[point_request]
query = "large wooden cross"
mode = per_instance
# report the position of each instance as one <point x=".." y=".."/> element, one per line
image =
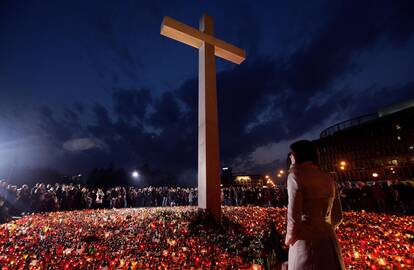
<point x="208" y="136"/>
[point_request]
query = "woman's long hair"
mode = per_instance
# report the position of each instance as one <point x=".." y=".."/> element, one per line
<point x="303" y="151"/>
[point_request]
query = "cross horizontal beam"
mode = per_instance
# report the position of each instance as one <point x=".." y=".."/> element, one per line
<point x="195" y="38"/>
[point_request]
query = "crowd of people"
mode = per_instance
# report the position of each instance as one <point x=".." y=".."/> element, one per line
<point x="15" y="201"/>
<point x="381" y="197"/>
<point x="63" y="197"/>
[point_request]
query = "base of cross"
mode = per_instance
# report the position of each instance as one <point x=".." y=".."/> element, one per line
<point x="212" y="206"/>
<point x="209" y="197"/>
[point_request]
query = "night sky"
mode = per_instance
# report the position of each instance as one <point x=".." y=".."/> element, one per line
<point x="87" y="83"/>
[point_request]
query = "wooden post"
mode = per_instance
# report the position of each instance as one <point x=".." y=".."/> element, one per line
<point x="208" y="134"/>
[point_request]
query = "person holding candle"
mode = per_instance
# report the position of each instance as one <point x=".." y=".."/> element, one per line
<point x="314" y="211"/>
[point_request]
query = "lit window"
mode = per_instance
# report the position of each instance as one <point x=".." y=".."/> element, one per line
<point x="243" y="179"/>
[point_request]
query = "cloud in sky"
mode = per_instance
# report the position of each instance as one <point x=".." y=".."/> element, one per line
<point x="82" y="144"/>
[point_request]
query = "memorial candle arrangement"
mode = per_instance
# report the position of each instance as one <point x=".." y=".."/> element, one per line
<point x="166" y="238"/>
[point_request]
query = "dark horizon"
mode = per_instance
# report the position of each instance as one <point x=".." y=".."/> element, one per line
<point x="84" y="85"/>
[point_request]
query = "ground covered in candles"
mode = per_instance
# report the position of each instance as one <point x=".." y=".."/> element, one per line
<point x="185" y="238"/>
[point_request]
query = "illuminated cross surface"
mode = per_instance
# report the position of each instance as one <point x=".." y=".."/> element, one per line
<point x="208" y="137"/>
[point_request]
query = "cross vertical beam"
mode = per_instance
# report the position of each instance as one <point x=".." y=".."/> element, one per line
<point x="208" y="134"/>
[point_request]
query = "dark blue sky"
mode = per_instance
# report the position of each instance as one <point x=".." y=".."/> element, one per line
<point x="84" y="83"/>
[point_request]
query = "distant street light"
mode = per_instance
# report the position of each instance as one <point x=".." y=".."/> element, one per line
<point x="342" y="166"/>
<point x="135" y="174"/>
<point x="281" y="171"/>
<point x="375" y="175"/>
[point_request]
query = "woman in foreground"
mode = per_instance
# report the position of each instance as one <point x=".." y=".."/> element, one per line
<point x="314" y="211"/>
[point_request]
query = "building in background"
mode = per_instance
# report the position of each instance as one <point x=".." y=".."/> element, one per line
<point x="249" y="180"/>
<point x="373" y="147"/>
<point x="226" y="176"/>
<point x="246" y="180"/>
